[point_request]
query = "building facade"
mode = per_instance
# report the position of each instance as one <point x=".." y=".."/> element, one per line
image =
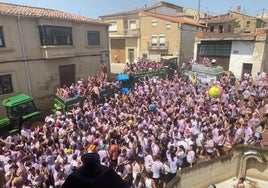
<point x="43" y="49"/>
<point x="238" y="42"/>
<point x="148" y="32"/>
<point x="163" y="34"/>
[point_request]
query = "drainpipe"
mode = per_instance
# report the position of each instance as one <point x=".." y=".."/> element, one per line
<point x="108" y="51"/>
<point x="24" y="57"/>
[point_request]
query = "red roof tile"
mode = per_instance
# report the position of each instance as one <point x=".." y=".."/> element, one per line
<point x="12" y="9"/>
<point x="173" y="19"/>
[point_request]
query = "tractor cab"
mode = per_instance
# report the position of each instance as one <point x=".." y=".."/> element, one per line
<point x="21" y="111"/>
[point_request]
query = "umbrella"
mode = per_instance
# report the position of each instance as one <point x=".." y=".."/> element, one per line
<point x="122" y="77"/>
<point x="125" y="90"/>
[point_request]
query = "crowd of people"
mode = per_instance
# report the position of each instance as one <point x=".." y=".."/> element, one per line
<point x="143" y="66"/>
<point x="146" y="136"/>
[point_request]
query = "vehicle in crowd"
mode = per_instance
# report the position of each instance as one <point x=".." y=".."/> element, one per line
<point x="203" y="74"/>
<point x="136" y="77"/>
<point x="170" y="62"/>
<point x="21" y="111"/>
<point x="66" y="104"/>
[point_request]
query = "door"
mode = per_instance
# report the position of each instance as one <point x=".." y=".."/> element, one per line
<point x="67" y="75"/>
<point x="247" y="68"/>
<point x="131" y="55"/>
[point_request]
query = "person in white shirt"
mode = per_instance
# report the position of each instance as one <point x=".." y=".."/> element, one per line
<point x="148" y="160"/>
<point x="181" y="156"/>
<point x="210" y="146"/>
<point x="172" y="161"/>
<point x="190" y="157"/>
<point x="157" y="168"/>
<point x="103" y="152"/>
<point x="248" y="135"/>
<point x="166" y="173"/>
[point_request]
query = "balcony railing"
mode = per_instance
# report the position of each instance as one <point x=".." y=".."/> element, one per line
<point x="157" y="46"/>
<point x="131" y="32"/>
<point x="125" y="33"/>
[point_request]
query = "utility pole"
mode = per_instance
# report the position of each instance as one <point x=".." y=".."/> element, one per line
<point x="198" y="14"/>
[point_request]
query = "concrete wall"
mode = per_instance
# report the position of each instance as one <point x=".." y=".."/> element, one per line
<point x="245" y="55"/>
<point x="166" y="10"/>
<point x="260" y="52"/>
<point x="217" y="170"/>
<point x="187" y="43"/>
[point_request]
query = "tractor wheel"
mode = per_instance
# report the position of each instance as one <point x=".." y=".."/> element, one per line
<point x="35" y="121"/>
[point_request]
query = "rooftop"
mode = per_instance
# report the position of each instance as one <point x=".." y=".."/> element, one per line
<point x="174" y="19"/>
<point x="27" y="11"/>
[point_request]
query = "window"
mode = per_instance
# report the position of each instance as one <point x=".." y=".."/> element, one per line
<point x="229" y="28"/>
<point x="93" y="38"/>
<point x="247" y="23"/>
<point x="113" y="26"/>
<point x="162" y="40"/>
<point x="5" y="84"/>
<point x="55" y="35"/>
<point x="27" y="108"/>
<point x="168" y="25"/>
<point x="132" y="24"/>
<point x="220" y="28"/>
<point x="154" y="23"/>
<point x="235" y="51"/>
<point x="154" y="40"/>
<point x="144" y="57"/>
<point x="2" y="42"/>
<point x="211" y="28"/>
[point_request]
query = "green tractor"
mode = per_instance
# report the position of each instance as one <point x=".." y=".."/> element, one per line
<point x="21" y="110"/>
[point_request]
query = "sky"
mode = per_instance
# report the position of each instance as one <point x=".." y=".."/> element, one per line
<point x="96" y="8"/>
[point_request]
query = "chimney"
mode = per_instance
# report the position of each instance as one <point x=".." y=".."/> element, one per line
<point x="238" y="9"/>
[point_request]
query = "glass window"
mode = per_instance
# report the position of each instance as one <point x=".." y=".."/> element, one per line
<point x="113" y="26"/>
<point x="93" y="38"/>
<point x="211" y="28"/>
<point x="154" y="40"/>
<point x="154" y="23"/>
<point x="2" y="41"/>
<point x="27" y="108"/>
<point x="247" y="23"/>
<point x="168" y="25"/>
<point x="6" y="84"/>
<point x="162" y="40"/>
<point x="55" y="35"/>
<point x="132" y="24"/>
<point x="220" y="28"/>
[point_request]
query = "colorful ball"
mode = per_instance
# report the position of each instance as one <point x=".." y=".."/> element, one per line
<point x="214" y="92"/>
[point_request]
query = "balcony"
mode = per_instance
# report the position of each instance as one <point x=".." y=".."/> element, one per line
<point x="125" y="33"/>
<point x="157" y="46"/>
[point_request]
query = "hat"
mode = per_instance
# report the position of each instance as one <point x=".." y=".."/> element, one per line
<point x="90" y="158"/>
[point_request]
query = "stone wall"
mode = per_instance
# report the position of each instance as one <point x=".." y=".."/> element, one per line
<point x="220" y="169"/>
